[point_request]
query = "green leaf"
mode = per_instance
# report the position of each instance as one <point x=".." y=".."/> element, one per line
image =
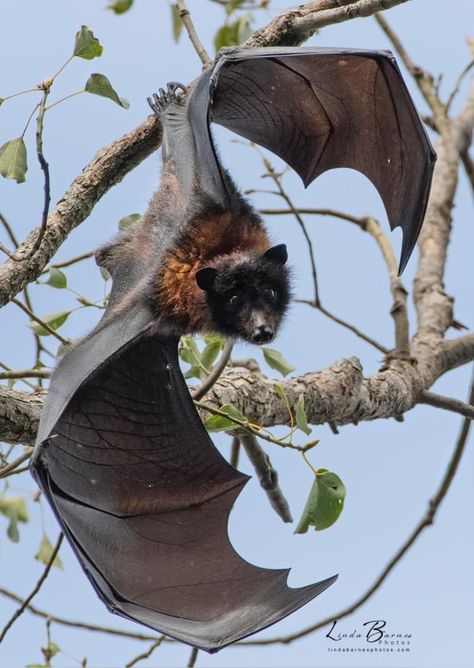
<point x="57" y="279"/>
<point x="194" y="372"/>
<point x="53" y="648"/>
<point x="54" y="320"/>
<point x="2" y="100"/>
<point x="176" y="21"/>
<point x="12" y="531"/>
<point x="188" y="350"/>
<point x="125" y="222"/>
<point x="210" y="352"/>
<point x="221" y="423"/>
<point x="14" y="508"/>
<point x="86" y="45"/>
<point x="325" y="502"/>
<point x="300" y="415"/>
<point x="13" y="161"/>
<point x="98" y="84"/>
<point x="45" y="551"/>
<point x="276" y="361"/>
<point x="227" y="35"/>
<point x="233" y="34"/>
<point x="120" y="6"/>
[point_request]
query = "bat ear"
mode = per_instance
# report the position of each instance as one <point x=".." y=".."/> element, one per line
<point x="206" y="277"/>
<point x="277" y="254"/>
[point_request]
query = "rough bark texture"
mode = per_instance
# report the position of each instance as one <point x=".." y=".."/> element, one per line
<point x="19" y="415"/>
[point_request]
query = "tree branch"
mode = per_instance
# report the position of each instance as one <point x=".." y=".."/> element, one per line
<point x="191" y="30"/>
<point x="296" y="25"/>
<point x="36" y="589"/>
<point x="339" y="395"/>
<point x="267" y="475"/>
<point x="78" y="625"/>
<point x="447" y="404"/>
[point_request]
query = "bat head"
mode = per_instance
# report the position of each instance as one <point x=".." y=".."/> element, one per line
<point x="247" y="295"/>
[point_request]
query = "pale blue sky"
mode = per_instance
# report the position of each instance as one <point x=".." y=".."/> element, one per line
<point x="390" y="469"/>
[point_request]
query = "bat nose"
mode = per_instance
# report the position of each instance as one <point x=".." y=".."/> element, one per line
<point x="262" y="334"/>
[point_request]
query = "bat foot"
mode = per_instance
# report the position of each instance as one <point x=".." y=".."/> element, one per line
<point x="160" y="102"/>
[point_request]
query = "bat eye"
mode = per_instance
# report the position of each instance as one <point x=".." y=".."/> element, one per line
<point x="234" y="300"/>
<point x="270" y="294"/>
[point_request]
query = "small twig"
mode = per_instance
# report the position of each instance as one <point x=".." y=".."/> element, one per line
<point x="332" y="213"/>
<point x="191" y="30"/>
<point x="192" y="658"/>
<point x="43" y="324"/>
<point x="267" y="475"/>
<point x="28" y="373"/>
<point x="36" y="589"/>
<point x="398" y="311"/>
<point x="216" y="372"/>
<point x="424" y="80"/>
<point x="248" y="428"/>
<point x="457" y="85"/>
<point x="347" y="325"/>
<point x="45" y="169"/>
<point x="15" y="242"/>
<point x="8" y="253"/>
<point x="296" y="213"/>
<point x="9" y="230"/>
<point x="26" y="382"/>
<point x="427" y="520"/>
<point x="95" y="628"/>
<point x="146" y="654"/>
<point x="234" y="452"/>
<point x="22" y="469"/>
<point x="249" y="364"/>
<point x="68" y="263"/>
<point x="7" y="470"/>
<point x="63" y="99"/>
<point x="447" y="404"/>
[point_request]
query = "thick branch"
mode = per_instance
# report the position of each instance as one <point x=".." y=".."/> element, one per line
<point x="339" y="395"/>
<point x="19" y="415"/>
<point x="296" y="25"/>
<point x="433" y="305"/>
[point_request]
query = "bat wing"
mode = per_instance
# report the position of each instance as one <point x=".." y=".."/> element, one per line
<point x="319" y="109"/>
<point x="144" y="497"/>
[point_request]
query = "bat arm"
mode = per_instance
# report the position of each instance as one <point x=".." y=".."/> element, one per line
<point x="207" y="164"/>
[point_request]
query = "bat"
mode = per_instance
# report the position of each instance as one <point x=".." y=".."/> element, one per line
<point x="139" y="490"/>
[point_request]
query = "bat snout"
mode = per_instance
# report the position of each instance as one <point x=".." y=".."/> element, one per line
<point x="262" y="334"/>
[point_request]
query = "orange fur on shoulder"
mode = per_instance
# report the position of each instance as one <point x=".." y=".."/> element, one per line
<point x="208" y="239"/>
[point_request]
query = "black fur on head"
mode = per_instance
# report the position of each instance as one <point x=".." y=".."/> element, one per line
<point x="247" y="295"/>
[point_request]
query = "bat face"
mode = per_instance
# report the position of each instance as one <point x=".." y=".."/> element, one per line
<point x="248" y="296"/>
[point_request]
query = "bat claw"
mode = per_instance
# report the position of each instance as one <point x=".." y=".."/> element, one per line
<point x="163" y="99"/>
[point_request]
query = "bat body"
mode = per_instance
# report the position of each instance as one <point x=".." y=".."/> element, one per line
<point x="139" y="489"/>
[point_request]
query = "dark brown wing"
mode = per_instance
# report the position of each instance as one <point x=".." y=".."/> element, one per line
<point x="144" y="498"/>
<point x="319" y="109"/>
